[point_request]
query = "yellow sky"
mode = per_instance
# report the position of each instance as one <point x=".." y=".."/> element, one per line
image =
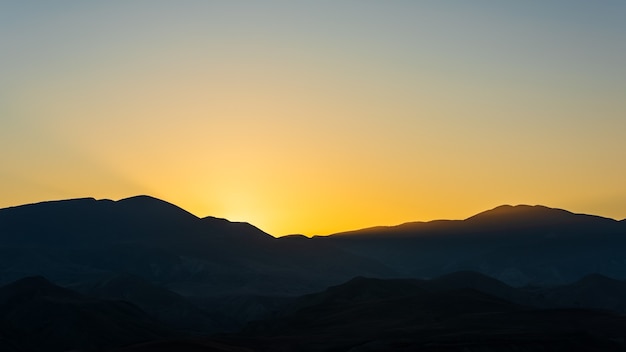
<point x="316" y="117"/>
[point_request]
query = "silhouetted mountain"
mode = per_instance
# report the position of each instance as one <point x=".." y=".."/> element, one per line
<point x="168" y="307"/>
<point x="479" y="282"/>
<point x="520" y="218"/>
<point x="409" y="315"/>
<point x="361" y="289"/>
<point x="240" y="309"/>
<point x="71" y="241"/>
<point x="448" y="313"/>
<point x="36" y="315"/>
<point x="456" y="312"/>
<point x="533" y="217"/>
<point x="593" y="291"/>
<point x="75" y="240"/>
<point x="517" y="244"/>
<point x="361" y="308"/>
<point x="210" y="274"/>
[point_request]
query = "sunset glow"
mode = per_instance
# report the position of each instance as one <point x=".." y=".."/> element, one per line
<point x="316" y="117"/>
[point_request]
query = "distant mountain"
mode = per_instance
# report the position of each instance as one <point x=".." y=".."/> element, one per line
<point x="217" y="262"/>
<point x="36" y="315"/>
<point x="167" y="307"/>
<point x="150" y="273"/>
<point x="479" y="282"/>
<point x="361" y="289"/>
<point x="362" y="309"/>
<point x="519" y="218"/>
<point x="517" y="244"/>
<point x="537" y="216"/>
<point x="592" y="291"/>
<point x="73" y="241"/>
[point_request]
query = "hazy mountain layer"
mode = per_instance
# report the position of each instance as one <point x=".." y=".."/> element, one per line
<point x="161" y="304"/>
<point x="457" y="312"/>
<point x="72" y="241"/>
<point x="450" y="313"/>
<point x="217" y="262"/>
<point x="36" y="315"/>
<point x="519" y="245"/>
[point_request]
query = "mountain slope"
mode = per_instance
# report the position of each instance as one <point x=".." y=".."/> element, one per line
<point x="165" y="306"/>
<point x="429" y="315"/>
<point x="36" y="315"/>
<point x="74" y="240"/>
<point x="71" y="241"/>
<point x="517" y="244"/>
<point x="592" y="291"/>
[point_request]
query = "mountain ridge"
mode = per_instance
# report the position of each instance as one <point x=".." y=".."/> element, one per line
<point x="70" y="240"/>
<point x="505" y="210"/>
<point x="153" y="202"/>
<point x="37" y="315"/>
<point x="73" y="240"/>
<point x="455" y="312"/>
<point x="502" y="213"/>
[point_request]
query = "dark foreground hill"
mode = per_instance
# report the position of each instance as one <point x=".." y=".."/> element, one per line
<point x="593" y="291"/>
<point x="450" y="313"/>
<point x="36" y="315"/>
<point x="413" y="315"/>
<point x="165" y="306"/>
<point x="462" y="311"/>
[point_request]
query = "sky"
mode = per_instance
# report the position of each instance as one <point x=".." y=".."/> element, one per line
<point x="316" y="117"/>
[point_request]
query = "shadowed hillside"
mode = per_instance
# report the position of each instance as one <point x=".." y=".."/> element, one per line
<point x="457" y="312"/>
<point x="438" y="315"/>
<point x="593" y="291"/>
<point x="36" y="315"/>
<point x="164" y="305"/>
<point x="71" y="241"/>
<point x="364" y="290"/>
<point x="517" y="244"/>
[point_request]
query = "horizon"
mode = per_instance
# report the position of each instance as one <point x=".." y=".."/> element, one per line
<point x="318" y="234"/>
<point x="316" y="117"/>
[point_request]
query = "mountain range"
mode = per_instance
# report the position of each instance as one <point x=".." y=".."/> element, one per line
<point x="461" y="311"/>
<point x="172" y="279"/>
<point x="71" y="240"/>
<point x="36" y="315"/>
<point x="517" y="244"/>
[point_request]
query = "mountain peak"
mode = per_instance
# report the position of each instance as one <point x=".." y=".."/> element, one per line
<point x="152" y="206"/>
<point x="144" y="198"/>
<point x="531" y="215"/>
<point x="507" y="210"/>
